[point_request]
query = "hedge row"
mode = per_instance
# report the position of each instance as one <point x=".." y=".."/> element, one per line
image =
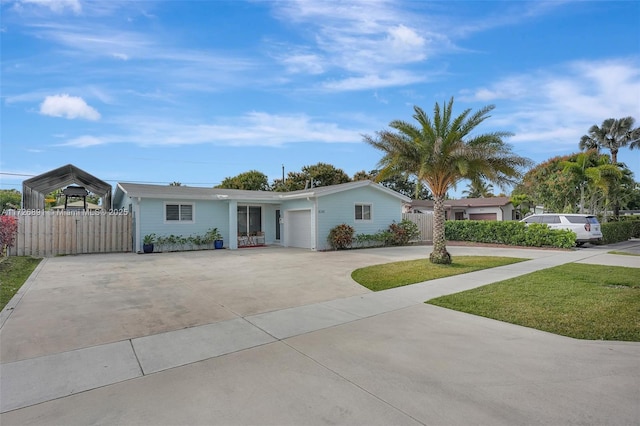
<point x="508" y="232"/>
<point x="615" y="232"/>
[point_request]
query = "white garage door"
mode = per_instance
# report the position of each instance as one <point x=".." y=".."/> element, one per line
<point x="298" y="229"/>
<point x="483" y="216"/>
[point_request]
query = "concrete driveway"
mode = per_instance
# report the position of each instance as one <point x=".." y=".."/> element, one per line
<point x="81" y="301"/>
<point x="282" y="336"/>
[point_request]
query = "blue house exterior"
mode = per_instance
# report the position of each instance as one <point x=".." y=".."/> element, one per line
<point x="291" y="219"/>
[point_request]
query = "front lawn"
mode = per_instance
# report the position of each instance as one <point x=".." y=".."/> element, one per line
<point x="390" y="275"/>
<point x="576" y="300"/>
<point x="624" y="253"/>
<point x="14" y="271"/>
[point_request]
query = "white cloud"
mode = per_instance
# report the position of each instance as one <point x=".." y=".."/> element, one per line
<point x="373" y="41"/>
<point x="84" y="142"/>
<point x="512" y="87"/>
<point x="251" y="129"/>
<point x="405" y="43"/>
<point x="552" y="109"/>
<point x="57" y="6"/>
<point x="66" y="106"/>
<point x="373" y="81"/>
<point x="97" y="40"/>
<point x="304" y="63"/>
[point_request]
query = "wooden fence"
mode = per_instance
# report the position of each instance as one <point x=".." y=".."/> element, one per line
<point x="51" y="233"/>
<point x="424" y="222"/>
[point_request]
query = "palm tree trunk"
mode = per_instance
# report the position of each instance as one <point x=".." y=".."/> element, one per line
<point x="439" y="254"/>
<point x="616" y="204"/>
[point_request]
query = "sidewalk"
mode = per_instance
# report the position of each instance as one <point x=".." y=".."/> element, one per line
<point x="33" y="381"/>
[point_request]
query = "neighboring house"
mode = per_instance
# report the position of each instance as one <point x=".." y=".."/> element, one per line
<point x="292" y="219"/>
<point x="491" y="208"/>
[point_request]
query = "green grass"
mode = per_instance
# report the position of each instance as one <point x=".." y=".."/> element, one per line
<point x="623" y="253"/>
<point x="14" y="271"/>
<point x="576" y="300"/>
<point x="390" y="275"/>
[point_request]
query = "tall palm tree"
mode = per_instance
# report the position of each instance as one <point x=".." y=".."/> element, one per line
<point x="613" y="134"/>
<point x="478" y="189"/>
<point x="441" y="152"/>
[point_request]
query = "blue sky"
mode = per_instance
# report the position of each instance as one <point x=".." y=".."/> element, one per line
<point x="196" y="91"/>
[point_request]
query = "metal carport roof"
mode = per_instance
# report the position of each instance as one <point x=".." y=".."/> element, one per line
<point x="36" y="188"/>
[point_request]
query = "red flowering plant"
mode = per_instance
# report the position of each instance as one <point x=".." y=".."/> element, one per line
<point x="8" y="231"/>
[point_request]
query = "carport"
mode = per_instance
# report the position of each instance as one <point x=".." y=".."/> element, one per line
<point x="35" y="189"/>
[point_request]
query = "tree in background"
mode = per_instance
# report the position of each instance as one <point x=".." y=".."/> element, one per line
<point x="578" y="166"/>
<point x="585" y="182"/>
<point x="521" y="204"/>
<point x="441" y="152"/>
<point x="10" y="199"/>
<point x="321" y="174"/>
<point x="54" y="198"/>
<point x="613" y="134"/>
<point x="633" y="202"/>
<point x="615" y="183"/>
<point x="403" y="184"/>
<point x="252" y="180"/>
<point x="478" y="189"/>
<point x="548" y="186"/>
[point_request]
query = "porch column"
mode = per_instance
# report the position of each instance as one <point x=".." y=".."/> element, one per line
<point x="233" y="225"/>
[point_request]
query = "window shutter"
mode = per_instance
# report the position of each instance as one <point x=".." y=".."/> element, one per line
<point x="173" y="212"/>
<point x="186" y="212"/>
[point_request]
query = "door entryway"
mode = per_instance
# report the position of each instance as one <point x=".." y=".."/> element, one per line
<point x="250" y="226"/>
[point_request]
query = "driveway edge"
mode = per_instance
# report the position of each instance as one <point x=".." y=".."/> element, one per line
<point x="9" y="307"/>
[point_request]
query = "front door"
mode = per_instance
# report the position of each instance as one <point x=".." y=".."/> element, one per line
<point x="278" y="224"/>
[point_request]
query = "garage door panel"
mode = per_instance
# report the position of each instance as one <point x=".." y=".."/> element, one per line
<point x="299" y="229"/>
<point x="483" y="216"/>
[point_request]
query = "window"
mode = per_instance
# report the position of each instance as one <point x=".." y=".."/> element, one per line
<point x="179" y="212"/>
<point x="363" y="211"/>
<point x="577" y="219"/>
<point x="249" y="220"/>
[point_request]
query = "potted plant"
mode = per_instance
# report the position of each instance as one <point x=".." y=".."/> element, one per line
<point x="147" y="243"/>
<point x="214" y="235"/>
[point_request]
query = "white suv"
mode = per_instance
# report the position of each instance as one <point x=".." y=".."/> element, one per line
<point x="586" y="227"/>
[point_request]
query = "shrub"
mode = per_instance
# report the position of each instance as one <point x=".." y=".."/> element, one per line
<point x="634" y="222"/>
<point x="378" y="239"/>
<point x="403" y="232"/>
<point x="8" y="231"/>
<point x="508" y="232"/>
<point x="615" y="232"/>
<point x="341" y="237"/>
